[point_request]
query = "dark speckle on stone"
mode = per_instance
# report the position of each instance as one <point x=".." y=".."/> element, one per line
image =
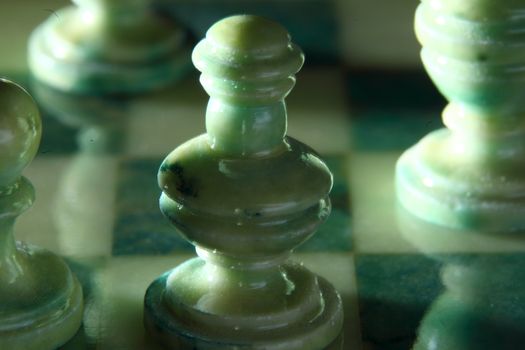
<point x="183" y="184"/>
<point x="164" y="167"/>
<point x="250" y="214"/>
<point x="482" y="57"/>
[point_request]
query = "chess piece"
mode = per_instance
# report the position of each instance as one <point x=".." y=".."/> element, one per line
<point x="246" y="195"/>
<point x="481" y="304"/>
<point x="471" y="175"/>
<point x="40" y="299"/>
<point x="106" y="46"/>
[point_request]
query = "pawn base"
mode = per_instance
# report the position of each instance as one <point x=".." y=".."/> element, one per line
<point x="436" y="187"/>
<point x="43" y="308"/>
<point x="59" y="59"/>
<point x="188" y="331"/>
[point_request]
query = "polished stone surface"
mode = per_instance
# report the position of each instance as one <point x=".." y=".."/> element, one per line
<point x="472" y="174"/>
<point x="245" y="195"/>
<point x="40" y="299"/>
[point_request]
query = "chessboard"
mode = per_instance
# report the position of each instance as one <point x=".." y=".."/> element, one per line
<point x="97" y="196"/>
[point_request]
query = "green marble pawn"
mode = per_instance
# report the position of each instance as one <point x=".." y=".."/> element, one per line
<point x="245" y="195"/>
<point x="40" y="299"/>
<point x="108" y="46"/>
<point x="471" y="175"/>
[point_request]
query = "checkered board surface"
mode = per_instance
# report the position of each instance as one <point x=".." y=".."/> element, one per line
<point x="97" y="201"/>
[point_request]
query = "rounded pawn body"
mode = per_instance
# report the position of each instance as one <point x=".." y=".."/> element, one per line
<point x="105" y="46"/>
<point x="246" y="195"/>
<point x="471" y="175"/>
<point x="40" y="299"/>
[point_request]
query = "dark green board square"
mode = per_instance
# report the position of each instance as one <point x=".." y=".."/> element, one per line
<point x="380" y="130"/>
<point x="392" y="90"/>
<point x="394" y="291"/>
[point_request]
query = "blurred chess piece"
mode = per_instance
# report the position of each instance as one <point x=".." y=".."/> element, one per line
<point x="471" y="175"/>
<point x="84" y="206"/>
<point x="482" y="306"/>
<point x="108" y="47"/>
<point x="245" y="195"/>
<point x="40" y="299"/>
